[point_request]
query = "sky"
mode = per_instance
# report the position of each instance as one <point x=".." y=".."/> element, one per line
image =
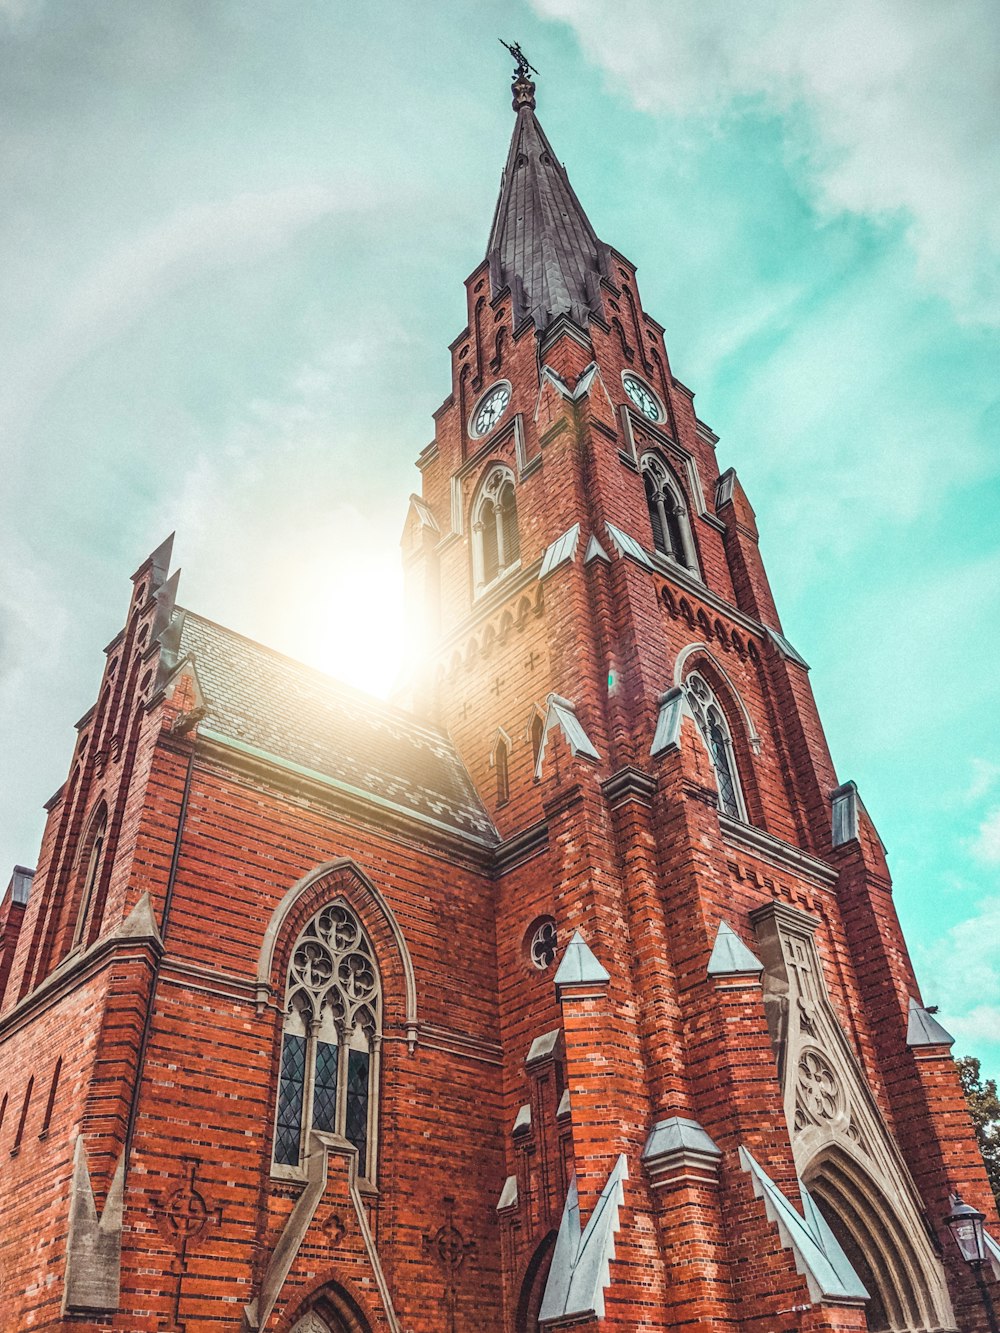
<point x="232" y="253"/>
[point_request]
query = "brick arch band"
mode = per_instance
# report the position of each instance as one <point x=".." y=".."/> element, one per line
<point x="703" y="650"/>
<point x="340" y="876"/>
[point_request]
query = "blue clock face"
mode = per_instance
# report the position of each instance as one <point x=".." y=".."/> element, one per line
<point x="644" y="399"/>
<point x="491" y="409"/>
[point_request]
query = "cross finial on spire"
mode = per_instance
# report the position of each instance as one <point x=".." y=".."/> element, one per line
<point x="523" y="88"/>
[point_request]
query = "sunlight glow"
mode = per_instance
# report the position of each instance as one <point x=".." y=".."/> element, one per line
<point x="340" y="608"/>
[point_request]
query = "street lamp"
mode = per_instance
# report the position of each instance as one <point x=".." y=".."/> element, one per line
<point x="966" y="1224"/>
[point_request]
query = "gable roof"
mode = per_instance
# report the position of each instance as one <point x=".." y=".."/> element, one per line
<point x="279" y="708"/>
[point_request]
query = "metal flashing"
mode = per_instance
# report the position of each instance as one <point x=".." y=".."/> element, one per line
<point x="595" y="551"/>
<point x="731" y="957"/>
<point x="508" y="1195"/>
<point x="560" y="552"/>
<point x="785" y="648"/>
<point x="923" y="1029"/>
<point x="543" y="1048"/>
<point x="626" y="545"/>
<point x="581" y="1261"/>
<point x="818" y="1255"/>
<point x="579" y="967"/>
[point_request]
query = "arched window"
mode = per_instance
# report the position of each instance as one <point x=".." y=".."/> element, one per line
<point x="330" y="1043"/>
<point x="90" y="864"/>
<point x="667" y="512"/>
<point x="718" y="740"/>
<point x="496" y="544"/>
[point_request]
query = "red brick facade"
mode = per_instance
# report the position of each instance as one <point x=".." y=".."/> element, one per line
<point x="143" y="992"/>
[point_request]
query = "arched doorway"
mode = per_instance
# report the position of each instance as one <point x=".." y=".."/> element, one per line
<point x="533" y="1286"/>
<point x="333" y="1311"/>
<point x="898" y="1267"/>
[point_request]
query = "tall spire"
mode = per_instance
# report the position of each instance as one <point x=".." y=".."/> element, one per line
<point x="541" y="244"/>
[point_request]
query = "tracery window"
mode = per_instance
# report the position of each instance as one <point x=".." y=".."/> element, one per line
<point x="496" y="544"/>
<point x="667" y="512"/>
<point x="544" y="944"/>
<point x="718" y="740"/>
<point x="330" y="1042"/>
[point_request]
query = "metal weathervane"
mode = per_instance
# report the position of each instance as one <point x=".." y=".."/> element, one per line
<point x="524" y="67"/>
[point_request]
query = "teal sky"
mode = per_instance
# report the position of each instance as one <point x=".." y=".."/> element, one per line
<point x="233" y="246"/>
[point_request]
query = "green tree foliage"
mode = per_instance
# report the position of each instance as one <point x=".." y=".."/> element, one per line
<point x="984" y="1107"/>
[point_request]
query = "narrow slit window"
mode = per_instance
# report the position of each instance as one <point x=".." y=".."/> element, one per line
<point x="50" y="1104"/>
<point x="500" y="763"/>
<point x="16" y="1147"/>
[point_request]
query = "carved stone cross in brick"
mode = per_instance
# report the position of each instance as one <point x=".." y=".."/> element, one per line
<point x="451" y="1251"/>
<point x="182" y="1215"/>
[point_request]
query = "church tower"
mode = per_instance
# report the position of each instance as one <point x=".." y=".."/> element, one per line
<point x="716" y="1062"/>
<point x="572" y="996"/>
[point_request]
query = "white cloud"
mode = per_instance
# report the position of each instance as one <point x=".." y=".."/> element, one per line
<point x="890" y="106"/>
<point x="33" y="622"/>
<point x="180" y="249"/>
<point x="986" y="844"/>
<point x="962" y="974"/>
<point x="985" y="773"/>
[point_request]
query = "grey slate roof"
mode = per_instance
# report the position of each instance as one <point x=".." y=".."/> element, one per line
<point x="542" y="244"/>
<point x="281" y="708"/>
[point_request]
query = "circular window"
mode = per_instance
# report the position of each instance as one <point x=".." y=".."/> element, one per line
<point x="544" y="944"/>
<point x="490" y="409"/>
<point x="642" y="396"/>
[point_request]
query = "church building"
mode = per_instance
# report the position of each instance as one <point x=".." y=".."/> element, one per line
<point x="569" y="995"/>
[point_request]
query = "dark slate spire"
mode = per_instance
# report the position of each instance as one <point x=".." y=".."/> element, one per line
<point x="542" y="244"/>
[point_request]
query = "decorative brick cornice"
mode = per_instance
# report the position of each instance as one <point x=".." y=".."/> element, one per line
<point x="778" y="852"/>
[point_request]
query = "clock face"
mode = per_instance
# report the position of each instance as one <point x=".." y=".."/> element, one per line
<point x="491" y="409"/>
<point x="644" y="399"/>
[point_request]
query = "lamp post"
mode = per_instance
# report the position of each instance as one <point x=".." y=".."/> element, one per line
<point x="966" y="1225"/>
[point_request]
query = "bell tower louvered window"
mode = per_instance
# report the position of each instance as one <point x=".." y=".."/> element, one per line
<point x="496" y="542"/>
<point x="330" y="1039"/>
<point x="667" y="512"/>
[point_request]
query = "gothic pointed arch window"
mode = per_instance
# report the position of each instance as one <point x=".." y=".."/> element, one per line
<point x="715" y="732"/>
<point x="331" y="1037"/>
<point x="668" y="516"/>
<point x="496" y="543"/>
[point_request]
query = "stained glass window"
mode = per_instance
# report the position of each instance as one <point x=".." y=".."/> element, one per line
<point x="325" y="1087"/>
<point x="356" y="1124"/>
<point x="723" y="769"/>
<point x="329" y="1046"/>
<point x="291" y="1090"/>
